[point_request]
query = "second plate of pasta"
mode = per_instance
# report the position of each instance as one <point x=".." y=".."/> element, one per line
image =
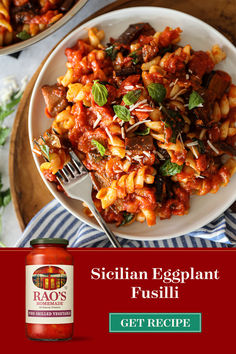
<point x="150" y="109"/>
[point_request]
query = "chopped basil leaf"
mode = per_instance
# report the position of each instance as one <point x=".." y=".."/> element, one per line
<point x="131" y="97"/>
<point x="127" y="218"/>
<point x="170" y="168"/>
<point x="99" y="93"/>
<point x="143" y="132"/>
<point x="99" y="146"/>
<point x="157" y="92"/>
<point x="195" y="100"/>
<point x="111" y="52"/>
<point x="45" y="150"/>
<point x="122" y="112"/>
<point x="135" y="55"/>
<point x="7" y="109"/>
<point x="5" y="197"/>
<point x="23" y="35"/>
<point x="4" y="132"/>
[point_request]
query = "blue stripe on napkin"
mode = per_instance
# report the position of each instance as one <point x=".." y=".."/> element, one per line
<point x="55" y="221"/>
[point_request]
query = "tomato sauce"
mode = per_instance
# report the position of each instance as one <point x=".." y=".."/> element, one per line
<point x="49" y="302"/>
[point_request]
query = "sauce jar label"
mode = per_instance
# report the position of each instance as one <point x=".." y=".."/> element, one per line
<point x="49" y="294"/>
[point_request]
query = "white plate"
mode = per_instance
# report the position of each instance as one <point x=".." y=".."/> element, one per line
<point x="195" y="32"/>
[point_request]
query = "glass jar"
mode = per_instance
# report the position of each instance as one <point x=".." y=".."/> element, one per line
<point x="49" y="290"/>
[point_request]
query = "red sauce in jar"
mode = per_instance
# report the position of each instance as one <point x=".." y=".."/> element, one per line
<point x="49" y="290"/>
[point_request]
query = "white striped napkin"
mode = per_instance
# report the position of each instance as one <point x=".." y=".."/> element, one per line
<point x="55" y="221"/>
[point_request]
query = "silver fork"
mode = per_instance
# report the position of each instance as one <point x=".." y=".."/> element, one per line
<point x="77" y="183"/>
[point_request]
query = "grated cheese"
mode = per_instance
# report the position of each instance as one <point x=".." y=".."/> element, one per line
<point x="159" y="155"/>
<point x="213" y="147"/>
<point x="99" y="117"/>
<point x="123" y="132"/>
<point x="143" y="110"/>
<point x="194" y="152"/>
<point x="138" y="123"/>
<point x="193" y="143"/>
<point x="128" y="87"/>
<point x="133" y="106"/>
<point x="146" y="153"/>
<point x="109" y="135"/>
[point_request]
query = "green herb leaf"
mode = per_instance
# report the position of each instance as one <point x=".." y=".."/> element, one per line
<point x="99" y="146"/>
<point x="23" y="35"/>
<point x="195" y="100"/>
<point x="127" y="218"/>
<point x="7" y="109"/>
<point x="111" y="52"/>
<point x="122" y="112"/>
<point x="4" y="132"/>
<point x="135" y="55"/>
<point x="99" y="93"/>
<point x="131" y="97"/>
<point x="45" y="150"/>
<point x="157" y="92"/>
<point x="5" y="198"/>
<point x="170" y="168"/>
<point x="143" y="132"/>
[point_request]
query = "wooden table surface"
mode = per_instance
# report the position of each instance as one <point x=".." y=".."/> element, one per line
<point x="29" y="193"/>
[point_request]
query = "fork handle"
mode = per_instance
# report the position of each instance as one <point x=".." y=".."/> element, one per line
<point x="115" y="243"/>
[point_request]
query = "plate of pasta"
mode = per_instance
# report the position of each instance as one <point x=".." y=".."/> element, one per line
<point x="150" y="109"/>
<point x="25" y="22"/>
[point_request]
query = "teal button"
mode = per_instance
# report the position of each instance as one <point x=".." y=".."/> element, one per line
<point x="155" y="322"/>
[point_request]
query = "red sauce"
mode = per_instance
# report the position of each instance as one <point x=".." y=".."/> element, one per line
<point x="44" y="285"/>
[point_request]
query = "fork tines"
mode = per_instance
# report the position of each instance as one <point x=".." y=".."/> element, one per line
<point x="72" y="169"/>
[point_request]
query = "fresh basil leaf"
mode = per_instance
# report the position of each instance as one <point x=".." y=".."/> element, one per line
<point x="5" y="198"/>
<point x="157" y="92"/>
<point x="4" y="132"/>
<point x="23" y="35"/>
<point x="131" y="97"/>
<point x="195" y="100"/>
<point x="143" y="132"/>
<point x="170" y="168"/>
<point x="99" y="93"/>
<point x="112" y="52"/>
<point x="45" y="150"/>
<point x="7" y="109"/>
<point x="99" y="146"/>
<point x="122" y="112"/>
<point x="127" y="218"/>
<point x="135" y="55"/>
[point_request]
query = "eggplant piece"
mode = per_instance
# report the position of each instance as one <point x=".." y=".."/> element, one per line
<point x="134" y="31"/>
<point x="126" y="71"/>
<point x="55" y="98"/>
<point x="225" y="148"/>
<point x="139" y="143"/>
<point x="219" y="83"/>
<point x="99" y="181"/>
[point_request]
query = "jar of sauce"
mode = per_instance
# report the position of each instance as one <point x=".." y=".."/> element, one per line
<point x="49" y="290"/>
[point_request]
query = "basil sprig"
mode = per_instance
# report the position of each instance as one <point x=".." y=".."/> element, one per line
<point x="195" y="100"/>
<point x="23" y="35"/>
<point x="170" y="168"/>
<point x="157" y="92"/>
<point x="131" y="97"/>
<point x="127" y="218"/>
<point x="111" y="51"/>
<point x="4" y="132"/>
<point x="99" y="146"/>
<point x="122" y="112"/>
<point x="100" y="93"/>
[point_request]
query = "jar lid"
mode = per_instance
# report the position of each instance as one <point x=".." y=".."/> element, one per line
<point x="49" y="241"/>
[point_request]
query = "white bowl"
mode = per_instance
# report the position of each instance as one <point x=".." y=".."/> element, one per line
<point x="195" y="32"/>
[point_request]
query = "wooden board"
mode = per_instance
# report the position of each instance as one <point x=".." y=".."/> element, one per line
<point x="29" y="193"/>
